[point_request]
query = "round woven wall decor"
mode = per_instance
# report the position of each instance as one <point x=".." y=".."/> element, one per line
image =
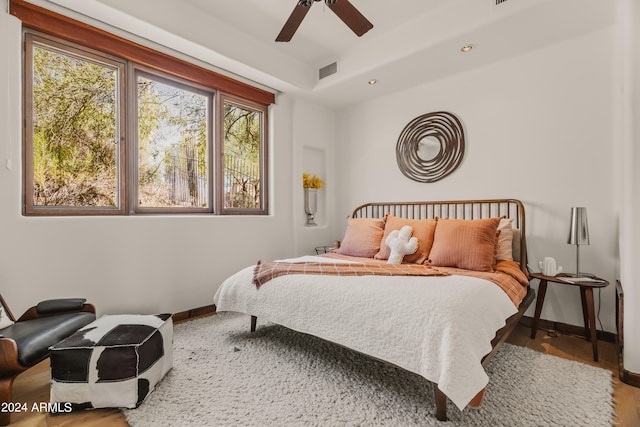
<point x="430" y="147"/>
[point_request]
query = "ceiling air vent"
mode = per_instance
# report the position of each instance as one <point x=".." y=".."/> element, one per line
<point x="499" y="2"/>
<point x="328" y="70"/>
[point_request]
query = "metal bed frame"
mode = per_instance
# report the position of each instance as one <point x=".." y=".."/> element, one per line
<point x="462" y="209"/>
<point x="457" y="209"/>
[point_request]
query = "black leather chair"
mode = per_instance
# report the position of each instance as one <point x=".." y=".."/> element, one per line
<point x="26" y="342"/>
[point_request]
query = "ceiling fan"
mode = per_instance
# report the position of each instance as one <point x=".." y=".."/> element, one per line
<point x="343" y="8"/>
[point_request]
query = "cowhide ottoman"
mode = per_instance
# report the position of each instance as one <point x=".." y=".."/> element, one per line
<point x="116" y="361"/>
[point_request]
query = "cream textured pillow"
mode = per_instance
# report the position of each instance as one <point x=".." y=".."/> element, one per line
<point x="504" y="250"/>
<point x="362" y="237"/>
<point x="423" y="230"/>
<point x="468" y="244"/>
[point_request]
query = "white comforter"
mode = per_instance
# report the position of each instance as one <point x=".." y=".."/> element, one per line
<point x="437" y="327"/>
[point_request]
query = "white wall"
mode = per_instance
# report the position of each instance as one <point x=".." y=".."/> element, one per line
<point x="145" y="264"/>
<point x="314" y="147"/>
<point x="629" y="88"/>
<point x="538" y="127"/>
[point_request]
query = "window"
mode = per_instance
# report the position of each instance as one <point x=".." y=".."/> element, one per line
<point x="106" y="134"/>
<point x="243" y="153"/>
<point x="74" y="133"/>
<point x="173" y="136"/>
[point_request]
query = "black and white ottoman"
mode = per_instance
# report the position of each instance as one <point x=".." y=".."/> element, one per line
<point x="114" y="362"/>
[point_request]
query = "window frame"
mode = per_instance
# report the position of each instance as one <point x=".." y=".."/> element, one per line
<point x="72" y="34"/>
<point x="264" y="158"/>
<point x="32" y="39"/>
<point x="135" y="208"/>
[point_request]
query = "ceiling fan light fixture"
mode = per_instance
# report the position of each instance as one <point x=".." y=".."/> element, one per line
<point x="347" y="12"/>
<point x="466" y="48"/>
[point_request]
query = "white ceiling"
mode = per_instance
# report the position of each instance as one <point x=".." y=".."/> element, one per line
<point x="412" y="42"/>
<point x="322" y="36"/>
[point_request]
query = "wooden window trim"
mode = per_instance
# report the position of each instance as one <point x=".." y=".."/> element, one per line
<point x="81" y="36"/>
<point x="55" y="24"/>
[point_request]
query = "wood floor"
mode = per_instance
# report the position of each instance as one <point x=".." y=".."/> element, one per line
<point x="33" y="385"/>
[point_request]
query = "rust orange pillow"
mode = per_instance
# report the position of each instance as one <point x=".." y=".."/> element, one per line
<point x="423" y="230"/>
<point x="464" y="243"/>
<point x="362" y="237"/>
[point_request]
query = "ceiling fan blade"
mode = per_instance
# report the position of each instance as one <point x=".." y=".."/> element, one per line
<point x="350" y="16"/>
<point x="294" y="21"/>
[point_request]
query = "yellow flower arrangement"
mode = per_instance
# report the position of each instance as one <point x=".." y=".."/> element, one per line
<point x="312" y="181"/>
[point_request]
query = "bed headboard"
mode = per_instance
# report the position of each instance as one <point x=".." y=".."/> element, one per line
<point x="456" y="209"/>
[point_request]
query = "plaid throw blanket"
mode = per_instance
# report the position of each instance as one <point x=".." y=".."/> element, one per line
<point x="265" y="271"/>
<point x="507" y="276"/>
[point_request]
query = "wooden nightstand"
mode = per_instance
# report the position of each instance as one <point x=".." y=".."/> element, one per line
<point x="588" y="309"/>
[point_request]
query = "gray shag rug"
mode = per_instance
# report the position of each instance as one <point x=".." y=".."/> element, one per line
<point x="223" y="375"/>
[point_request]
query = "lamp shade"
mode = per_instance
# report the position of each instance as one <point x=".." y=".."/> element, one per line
<point x="579" y="230"/>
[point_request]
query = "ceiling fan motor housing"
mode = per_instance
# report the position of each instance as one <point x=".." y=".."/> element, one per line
<point x="308" y="3"/>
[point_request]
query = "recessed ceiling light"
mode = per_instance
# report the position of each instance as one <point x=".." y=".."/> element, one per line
<point x="466" y="48"/>
<point x="373" y="81"/>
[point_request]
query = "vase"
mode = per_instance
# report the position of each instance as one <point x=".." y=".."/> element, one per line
<point x="310" y="205"/>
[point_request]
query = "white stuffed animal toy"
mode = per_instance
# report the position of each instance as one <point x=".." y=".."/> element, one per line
<point x="401" y="243"/>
